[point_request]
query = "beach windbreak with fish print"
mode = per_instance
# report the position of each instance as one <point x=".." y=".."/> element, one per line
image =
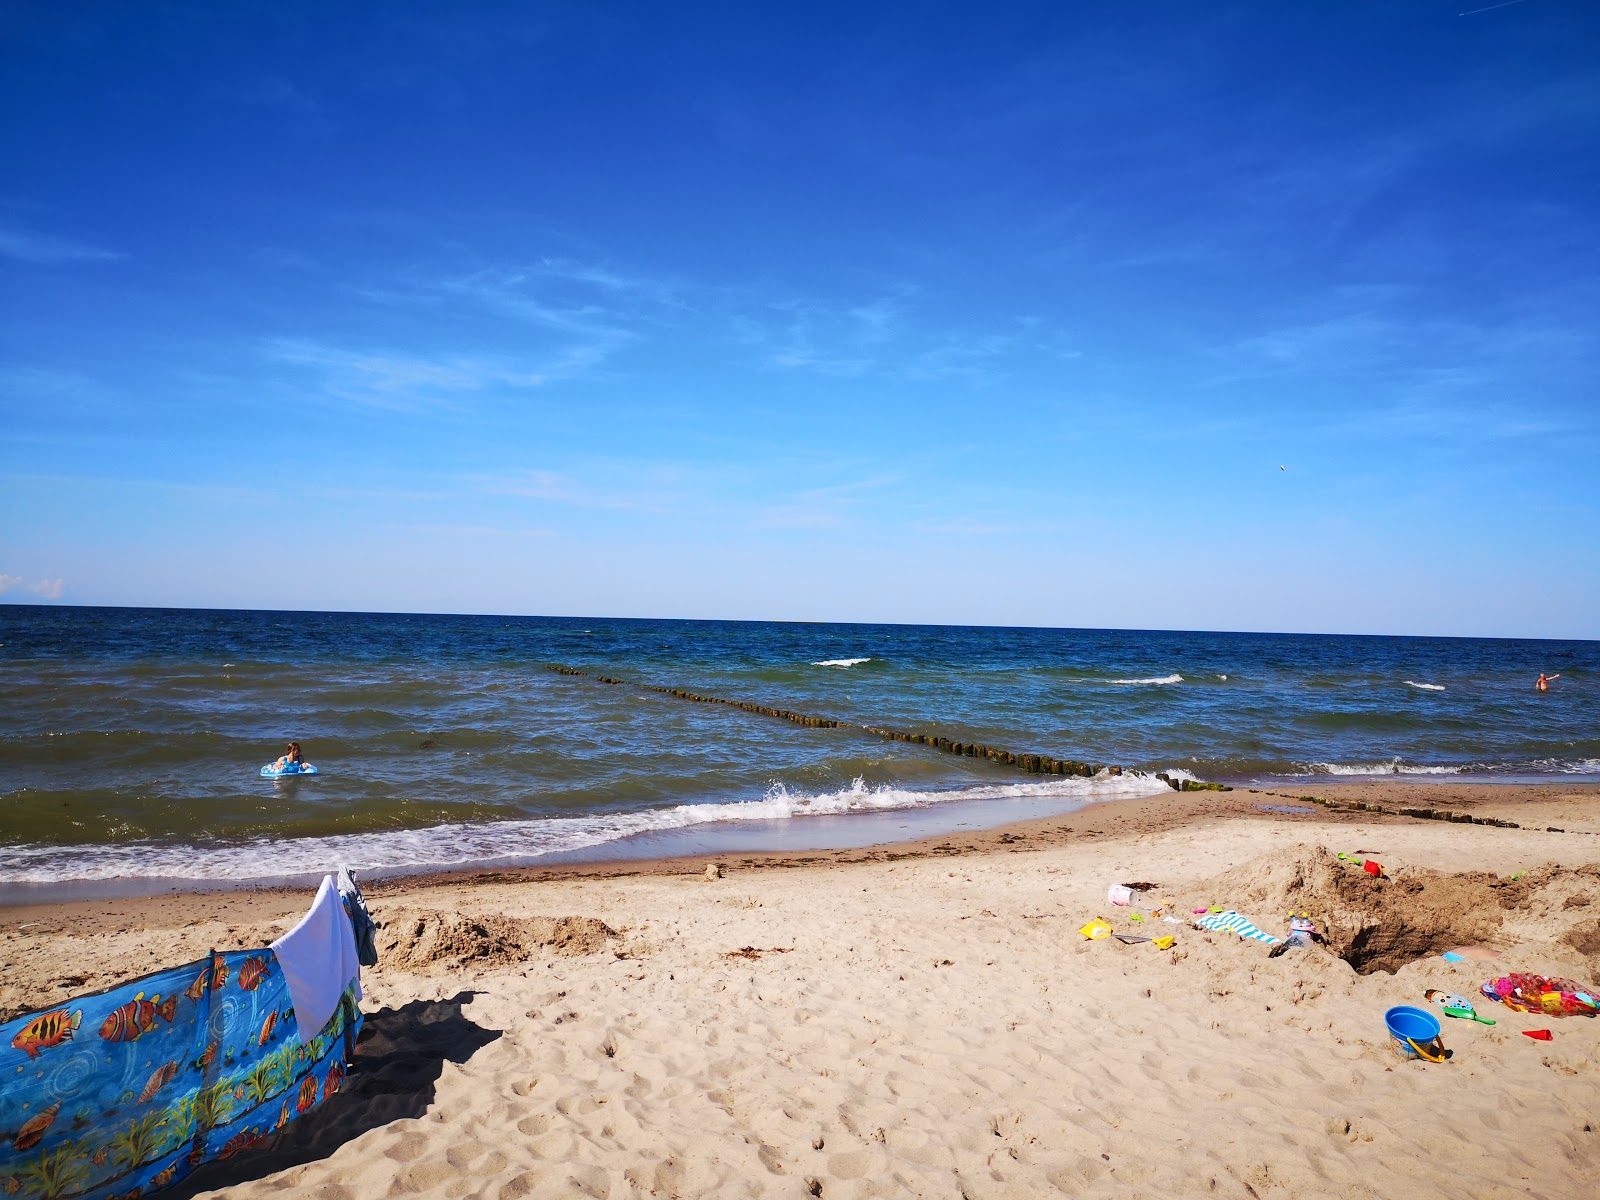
<point x="121" y="1093"/>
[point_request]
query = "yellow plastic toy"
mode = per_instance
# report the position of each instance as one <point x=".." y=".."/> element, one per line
<point x="1096" y="929"/>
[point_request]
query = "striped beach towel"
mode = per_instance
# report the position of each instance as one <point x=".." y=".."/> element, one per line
<point x="1232" y="922"/>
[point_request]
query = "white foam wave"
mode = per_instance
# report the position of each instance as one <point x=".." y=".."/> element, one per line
<point x="1392" y="767"/>
<point x="443" y="847"/>
<point x="840" y="662"/>
<point x="1427" y="687"/>
<point x="1583" y="766"/>
<point x="1173" y="678"/>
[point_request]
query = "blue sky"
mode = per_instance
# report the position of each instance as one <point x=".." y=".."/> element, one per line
<point x="1001" y="314"/>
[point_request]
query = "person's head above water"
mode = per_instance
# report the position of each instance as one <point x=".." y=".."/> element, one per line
<point x="294" y="752"/>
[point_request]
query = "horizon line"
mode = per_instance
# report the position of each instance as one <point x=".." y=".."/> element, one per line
<point x="359" y="612"/>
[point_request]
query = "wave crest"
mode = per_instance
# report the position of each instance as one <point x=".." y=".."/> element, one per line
<point x="500" y="843"/>
<point x="1392" y="767"/>
<point x="840" y="662"/>
<point x="1173" y="678"/>
<point x="1427" y="687"/>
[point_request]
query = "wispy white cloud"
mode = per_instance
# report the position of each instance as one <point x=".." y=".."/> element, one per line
<point x="47" y="250"/>
<point x="888" y="338"/>
<point x="585" y="312"/>
<point x="843" y="340"/>
<point x="394" y="380"/>
<point x="982" y="359"/>
<point x="581" y="314"/>
<point x="1351" y="340"/>
<point x="45" y="589"/>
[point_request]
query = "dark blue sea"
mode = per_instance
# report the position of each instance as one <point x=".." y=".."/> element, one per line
<point x="131" y="739"/>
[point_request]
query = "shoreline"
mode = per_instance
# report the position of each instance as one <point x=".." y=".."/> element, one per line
<point x="1112" y="817"/>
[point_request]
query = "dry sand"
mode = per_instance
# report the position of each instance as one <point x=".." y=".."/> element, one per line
<point x="926" y="1021"/>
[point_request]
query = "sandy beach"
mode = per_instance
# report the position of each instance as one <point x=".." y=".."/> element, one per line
<point x="926" y="1020"/>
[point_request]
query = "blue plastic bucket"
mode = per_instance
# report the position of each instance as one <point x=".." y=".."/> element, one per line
<point x="1411" y="1029"/>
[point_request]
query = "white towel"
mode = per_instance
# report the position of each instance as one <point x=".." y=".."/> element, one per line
<point x="318" y="960"/>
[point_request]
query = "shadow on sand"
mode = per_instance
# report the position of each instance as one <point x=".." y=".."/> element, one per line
<point x="399" y="1058"/>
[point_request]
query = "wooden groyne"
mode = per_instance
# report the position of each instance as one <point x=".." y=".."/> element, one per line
<point x="1033" y="764"/>
<point x="1424" y="814"/>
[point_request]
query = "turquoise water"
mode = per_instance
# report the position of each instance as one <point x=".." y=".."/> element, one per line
<point x="132" y="738"/>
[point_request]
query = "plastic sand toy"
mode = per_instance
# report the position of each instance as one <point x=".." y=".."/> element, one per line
<point x="1541" y="994"/>
<point x="1456" y="1006"/>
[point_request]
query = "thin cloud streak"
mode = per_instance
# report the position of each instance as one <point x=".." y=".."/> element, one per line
<point x="46" y="250"/>
<point x="550" y="487"/>
<point x="387" y="379"/>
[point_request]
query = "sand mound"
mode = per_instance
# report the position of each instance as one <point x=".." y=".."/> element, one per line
<point x="427" y="939"/>
<point x="1380" y="924"/>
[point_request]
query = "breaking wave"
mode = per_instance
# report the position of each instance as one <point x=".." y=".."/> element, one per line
<point x="1583" y="766"/>
<point x="840" y="662"/>
<point x="1427" y="687"/>
<point x="503" y="843"/>
<point x="1392" y="767"/>
<point x="1173" y="678"/>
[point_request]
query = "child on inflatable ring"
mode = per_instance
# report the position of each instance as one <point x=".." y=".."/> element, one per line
<point x="292" y="761"/>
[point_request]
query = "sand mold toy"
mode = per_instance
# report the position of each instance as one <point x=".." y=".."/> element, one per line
<point x="1456" y="1006"/>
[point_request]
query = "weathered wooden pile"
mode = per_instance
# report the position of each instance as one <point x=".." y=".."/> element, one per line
<point x="1033" y="764"/>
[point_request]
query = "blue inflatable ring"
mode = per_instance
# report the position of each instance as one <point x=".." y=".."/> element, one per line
<point x="275" y="772"/>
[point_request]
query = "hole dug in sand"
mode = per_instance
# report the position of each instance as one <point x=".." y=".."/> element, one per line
<point x="1383" y="924"/>
<point x="419" y="941"/>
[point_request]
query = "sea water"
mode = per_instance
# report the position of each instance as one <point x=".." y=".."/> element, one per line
<point x="131" y="739"/>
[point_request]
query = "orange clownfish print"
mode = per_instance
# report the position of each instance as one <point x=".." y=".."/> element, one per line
<point x="137" y="1017"/>
<point x="48" y="1030"/>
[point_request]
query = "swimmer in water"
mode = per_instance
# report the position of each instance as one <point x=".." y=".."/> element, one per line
<point x="293" y="758"/>
<point x="1543" y="685"/>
